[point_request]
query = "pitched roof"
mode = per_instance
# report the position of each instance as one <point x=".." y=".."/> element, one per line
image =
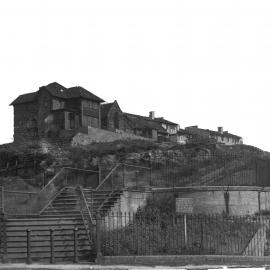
<point x="58" y="90"/>
<point x="212" y="132"/>
<point x="78" y="91"/>
<point x="162" y="120"/>
<point x="25" y="98"/>
<point x="224" y="134"/>
<point x="181" y="131"/>
<point x="141" y="122"/>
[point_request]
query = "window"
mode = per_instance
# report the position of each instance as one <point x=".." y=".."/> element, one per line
<point x="57" y="104"/>
<point x="71" y="118"/>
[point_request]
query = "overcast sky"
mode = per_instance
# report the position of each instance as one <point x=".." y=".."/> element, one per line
<point x="203" y="63"/>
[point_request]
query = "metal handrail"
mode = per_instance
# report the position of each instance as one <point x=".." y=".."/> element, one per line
<point x="88" y="231"/>
<point x="62" y="169"/>
<point x="105" y="201"/>
<point x="86" y="204"/>
<point x="51" y="200"/>
<point x="20" y="192"/>
<point x="52" y="180"/>
<point x="135" y="166"/>
<point x="108" y="175"/>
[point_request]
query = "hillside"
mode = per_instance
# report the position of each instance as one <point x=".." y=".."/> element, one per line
<point x="23" y="166"/>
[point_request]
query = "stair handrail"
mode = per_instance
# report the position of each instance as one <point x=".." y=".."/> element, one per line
<point x="105" y="201"/>
<point x="88" y="231"/>
<point x="44" y="190"/>
<point x="134" y="166"/>
<point x="107" y="176"/>
<point x="86" y="204"/>
<point x="51" y="200"/>
<point x="61" y="170"/>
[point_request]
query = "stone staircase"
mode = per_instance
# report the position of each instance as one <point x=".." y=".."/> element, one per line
<point x="62" y="215"/>
<point x="64" y="205"/>
<point x="101" y="200"/>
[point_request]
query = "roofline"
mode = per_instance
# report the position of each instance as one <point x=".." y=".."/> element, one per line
<point x="224" y="134"/>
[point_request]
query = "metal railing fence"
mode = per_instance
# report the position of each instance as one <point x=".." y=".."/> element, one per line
<point x="31" y="203"/>
<point x="162" y="234"/>
<point x="203" y="170"/>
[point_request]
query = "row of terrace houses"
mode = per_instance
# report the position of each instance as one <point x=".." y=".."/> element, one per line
<point x="53" y="108"/>
<point x="194" y="133"/>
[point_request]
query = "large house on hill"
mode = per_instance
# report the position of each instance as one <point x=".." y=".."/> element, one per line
<point x="54" y="107"/>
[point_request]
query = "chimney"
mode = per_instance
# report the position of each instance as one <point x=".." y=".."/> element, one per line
<point x="220" y="130"/>
<point x="152" y="115"/>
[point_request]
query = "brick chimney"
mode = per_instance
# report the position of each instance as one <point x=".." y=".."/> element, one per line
<point x="152" y="115"/>
<point x="220" y="130"/>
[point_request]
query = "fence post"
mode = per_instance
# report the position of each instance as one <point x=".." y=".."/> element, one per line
<point x="123" y="175"/>
<point x="28" y="235"/>
<point x="44" y="179"/>
<point x="99" y="172"/>
<point x="259" y="202"/>
<point x="2" y="199"/>
<point x="4" y="238"/>
<point x="256" y="172"/>
<point x="16" y="167"/>
<point x="150" y="173"/>
<point x="66" y="177"/>
<point x="185" y="229"/>
<point x="136" y="175"/>
<point x="112" y="180"/>
<point x="52" y="245"/>
<point x="75" y="233"/>
<point x="92" y="201"/>
<point x="98" y="238"/>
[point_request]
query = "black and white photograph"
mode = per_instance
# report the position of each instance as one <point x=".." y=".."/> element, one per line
<point x="134" y="134"/>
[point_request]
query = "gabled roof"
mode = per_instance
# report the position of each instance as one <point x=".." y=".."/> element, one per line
<point x="181" y="131"/>
<point x="105" y="108"/>
<point x="59" y="91"/>
<point x="80" y="92"/>
<point x="195" y="129"/>
<point x="142" y="122"/>
<point x="162" y="120"/>
<point x="25" y="98"/>
<point x="224" y="134"/>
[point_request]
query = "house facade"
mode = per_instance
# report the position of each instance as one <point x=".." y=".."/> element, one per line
<point x="113" y="119"/>
<point x="151" y="127"/>
<point x="220" y="136"/>
<point x="182" y="136"/>
<point x="53" y="108"/>
<point x="169" y="126"/>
